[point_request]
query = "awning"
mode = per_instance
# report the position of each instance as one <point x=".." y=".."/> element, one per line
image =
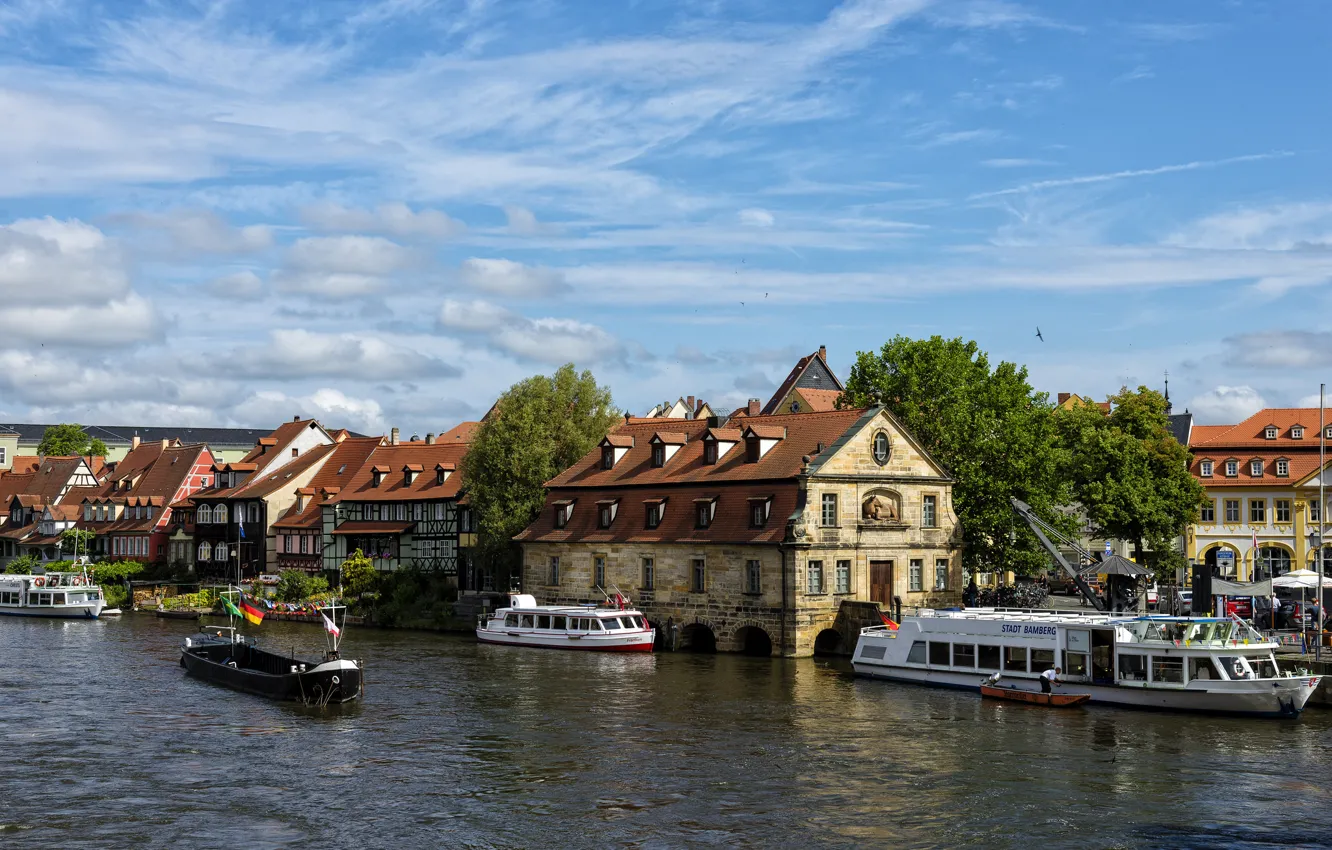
<point x="372" y="527"/>
<point x="1221" y="587"/>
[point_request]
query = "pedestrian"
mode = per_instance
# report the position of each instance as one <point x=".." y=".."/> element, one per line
<point x="1048" y="679"/>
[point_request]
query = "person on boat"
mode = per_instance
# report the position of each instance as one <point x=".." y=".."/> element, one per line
<point x="1049" y="679"/>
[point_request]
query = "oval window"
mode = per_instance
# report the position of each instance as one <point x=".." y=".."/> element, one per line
<point x="881" y="448"/>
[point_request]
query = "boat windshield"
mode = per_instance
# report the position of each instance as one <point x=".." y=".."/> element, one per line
<point x="1197" y="632"/>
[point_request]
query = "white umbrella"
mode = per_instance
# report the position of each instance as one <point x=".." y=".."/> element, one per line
<point x="1304" y="579"/>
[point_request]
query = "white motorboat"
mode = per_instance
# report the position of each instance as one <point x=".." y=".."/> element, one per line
<point x="1204" y="664"/>
<point x="69" y="595"/>
<point x="614" y="628"/>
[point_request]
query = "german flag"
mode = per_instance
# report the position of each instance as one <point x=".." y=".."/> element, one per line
<point x="888" y="621"/>
<point x="250" y="609"/>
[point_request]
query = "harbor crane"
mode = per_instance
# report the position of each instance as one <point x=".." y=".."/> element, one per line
<point x="1044" y="531"/>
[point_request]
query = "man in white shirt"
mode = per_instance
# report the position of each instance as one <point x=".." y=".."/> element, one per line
<point x="1049" y="678"/>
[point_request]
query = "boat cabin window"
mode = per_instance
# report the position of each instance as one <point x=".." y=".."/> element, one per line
<point x="964" y="655"/>
<point x="1042" y="660"/>
<point x="526" y="620"/>
<point x="1075" y="663"/>
<point x="627" y="623"/>
<point x="917" y="653"/>
<point x="988" y="657"/>
<point x="939" y="653"/>
<point x="1133" y="668"/>
<point x="8" y="598"/>
<point x="1167" y="670"/>
<point x="57" y="599"/>
<point x="511" y="620"/>
<point x="1015" y="658"/>
<point x="557" y="623"/>
<point x="595" y="625"/>
<point x="543" y="621"/>
<point x="1202" y="668"/>
<point x="1234" y="667"/>
<point x="1265" y="667"/>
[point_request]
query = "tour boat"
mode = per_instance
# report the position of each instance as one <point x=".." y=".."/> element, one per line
<point x="221" y="655"/>
<point x="67" y="595"/>
<point x="608" y="629"/>
<point x="1204" y="664"/>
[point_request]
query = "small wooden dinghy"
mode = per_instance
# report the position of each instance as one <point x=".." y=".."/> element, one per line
<point x="1034" y="697"/>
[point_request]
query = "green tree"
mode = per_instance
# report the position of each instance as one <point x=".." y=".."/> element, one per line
<point x="293" y="586"/>
<point x="76" y="541"/>
<point x="358" y="574"/>
<point x="1130" y="474"/>
<point x="989" y="429"/>
<point x="539" y="427"/>
<point x="69" y="439"/>
<point x="23" y="565"/>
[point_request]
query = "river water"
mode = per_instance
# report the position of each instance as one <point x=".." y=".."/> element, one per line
<point x="106" y="743"/>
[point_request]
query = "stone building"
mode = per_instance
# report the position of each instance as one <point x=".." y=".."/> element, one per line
<point x="753" y="535"/>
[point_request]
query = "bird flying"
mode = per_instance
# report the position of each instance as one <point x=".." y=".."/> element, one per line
<point x="1038" y="334"/>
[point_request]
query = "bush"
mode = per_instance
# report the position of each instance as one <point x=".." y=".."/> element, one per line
<point x="116" y="572"/>
<point x="293" y="586"/>
<point x="22" y="565"/>
<point x="414" y="598"/>
<point x="359" y="575"/>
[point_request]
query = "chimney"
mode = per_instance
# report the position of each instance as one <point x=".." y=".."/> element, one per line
<point x="165" y="444"/>
<point x="393" y="436"/>
<point x="430" y="439"/>
<point x="1063" y="397"/>
<point x="823" y="353"/>
<point x="134" y="442"/>
<point x="754" y="408"/>
<point x="690" y="401"/>
<point x="296" y="418"/>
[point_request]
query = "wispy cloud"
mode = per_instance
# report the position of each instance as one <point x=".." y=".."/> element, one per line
<point x="1128" y="175"/>
<point x="1016" y="162"/>
<point x="1169" y="33"/>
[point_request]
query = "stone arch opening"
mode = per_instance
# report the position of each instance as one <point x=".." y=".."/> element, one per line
<point x="697" y="637"/>
<point x="828" y="642"/>
<point x="751" y="640"/>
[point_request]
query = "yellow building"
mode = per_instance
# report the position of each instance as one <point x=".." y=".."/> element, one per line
<point x="1263" y="512"/>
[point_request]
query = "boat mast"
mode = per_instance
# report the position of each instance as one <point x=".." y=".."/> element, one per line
<point x="1322" y="520"/>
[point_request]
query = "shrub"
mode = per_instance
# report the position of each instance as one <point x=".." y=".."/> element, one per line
<point x="22" y="565"/>
<point x="293" y="586"/>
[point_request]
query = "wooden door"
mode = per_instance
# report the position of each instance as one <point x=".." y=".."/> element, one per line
<point x="881" y="582"/>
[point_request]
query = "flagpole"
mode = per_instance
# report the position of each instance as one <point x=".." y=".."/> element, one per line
<point x="1322" y="521"/>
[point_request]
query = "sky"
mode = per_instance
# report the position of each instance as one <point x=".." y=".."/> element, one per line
<point x="385" y="213"/>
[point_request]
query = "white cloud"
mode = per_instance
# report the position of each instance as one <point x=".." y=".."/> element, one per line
<point x="333" y="409"/>
<point x="1015" y="162"/>
<point x="474" y="316"/>
<point x="1167" y="33"/>
<point x="1221" y="405"/>
<point x="240" y="286"/>
<point x="1282" y="349"/>
<point x="505" y="277"/>
<point x="395" y="219"/>
<point x="548" y="340"/>
<point x="523" y="222"/>
<point x="193" y="231"/>
<point x="961" y="136"/>
<point x="342" y="266"/>
<point x="1128" y="174"/>
<point x="1280" y="227"/>
<point x="290" y="354"/>
<point x="756" y="217"/>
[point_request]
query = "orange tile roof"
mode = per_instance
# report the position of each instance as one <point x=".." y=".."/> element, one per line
<point x="392" y="488"/>
<point x="794" y="378"/>
<point x="820" y="400"/>
<point x="338" y="471"/>
<point x="460" y="433"/>
<point x="1249" y="433"/>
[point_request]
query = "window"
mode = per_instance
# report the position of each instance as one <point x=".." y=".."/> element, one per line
<point x="649" y="574"/>
<point x="305" y="544"/>
<point x="1282" y="468"/>
<point x="653" y="514"/>
<point x="1270" y="562"/>
<point x="1232" y="468"/>
<point x="658" y="454"/>
<point x="1297" y="432"/>
<point x="927" y="512"/>
<point x="1169" y="670"/>
<point x="1015" y="659"/>
<point x="917" y="653"/>
<point x="3" y="450"/>
<point x="940" y="653"/>
<point x="220" y="552"/>
<point x="607" y="457"/>
<point x="220" y="514"/>
<point x="916" y="579"/>
<point x="205" y="516"/>
<point x="561" y="516"/>
<point x="698" y="576"/>
<point x="941" y="574"/>
<point x="753" y="577"/>
<point x="1042" y="660"/>
<point x="553" y="577"/>
<point x="295" y="452"/>
<point x="1208" y="513"/>
<point x="814" y="577"/>
<point x="964" y="655"/>
<point x="87" y="510"/>
<point x="598" y="570"/>
<point x="1281" y="510"/>
<point x="1256" y="468"/>
<point x="603" y="516"/>
<point x="710" y="452"/>
<point x="830" y="510"/>
<point x="254" y="511"/>
<point x="399" y="512"/>
<point x="558" y="623"/>
<point x="704" y="514"/>
<point x="1315" y="512"/>
<point x="758" y="514"/>
<point x="1232" y="510"/>
<point x="881" y="448"/>
<point x="1205" y="469"/>
<point x="1327" y="432"/>
<point x="1257" y="511"/>
<point x="1270" y="432"/>
<point x="843" y="577"/>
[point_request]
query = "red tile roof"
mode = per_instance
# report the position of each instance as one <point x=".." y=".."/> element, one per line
<point x="794" y="378"/>
<point x="1250" y="431"/>
<point x="820" y="400"/>
<point x="460" y="433"/>
<point x="1302" y="465"/>
<point x="392" y="488"/>
<point x="347" y="460"/>
<point x="670" y="438"/>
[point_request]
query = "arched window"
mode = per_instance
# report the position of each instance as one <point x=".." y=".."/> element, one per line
<point x="204" y="517"/>
<point x="254" y="512"/>
<point x="1270" y="562"/>
<point x="220" y="514"/>
<point x="205" y="551"/>
<point x="220" y="552"/>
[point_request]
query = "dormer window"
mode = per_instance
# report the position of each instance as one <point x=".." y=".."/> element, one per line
<point x="1256" y="468"/>
<point x="1327" y="432"/>
<point x="1205" y="469"/>
<point x="607" y="457"/>
<point x="760" y="439"/>
<point x="658" y="455"/>
<point x="613" y="448"/>
<point x="717" y="442"/>
<point x="759" y="508"/>
<point x="710" y="452"/>
<point x="664" y="447"/>
<point x="1270" y="432"/>
<point x="1297" y="432"/>
<point x="409" y="473"/>
<point x="606" y="510"/>
<point x="562" y="511"/>
<point x="442" y="472"/>
<point x="654" y="510"/>
<point x="1282" y="467"/>
<point x="1232" y="468"/>
<point x="704" y="511"/>
<point x="375" y="477"/>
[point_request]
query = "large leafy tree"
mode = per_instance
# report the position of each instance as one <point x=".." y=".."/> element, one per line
<point x="538" y="428"/>
<point x="69" y="439"/>
<point x="1130" y="474"/>
<point x="987" y="426"/>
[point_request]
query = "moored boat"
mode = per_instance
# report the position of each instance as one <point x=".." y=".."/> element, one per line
<point x="1201" y="664"/>
<point x="1054" y="700"/>
<point x="612" y="628"/>
<point x="63" y="595"/>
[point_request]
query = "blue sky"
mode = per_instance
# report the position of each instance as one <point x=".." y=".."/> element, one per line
<point x="386" y="213"/>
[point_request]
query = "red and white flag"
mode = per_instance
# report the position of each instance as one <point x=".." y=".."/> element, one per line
<point x="329" y="625"/>
<point x="1255" y="537"/>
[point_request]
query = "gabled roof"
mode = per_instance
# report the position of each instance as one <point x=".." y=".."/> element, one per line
<point x="1250" y="432"/>
<point x="460" y="433"/>
<point x="393" y="487"/>
<point x="819" y="400"/>
<point x="265" y="485"/>
<point x="811" y="372"/>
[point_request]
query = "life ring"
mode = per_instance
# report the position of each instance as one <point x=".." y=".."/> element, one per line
<point x="1238" y="668"/>
<point x="39" y="582"/>
<point x="77" y="581"/>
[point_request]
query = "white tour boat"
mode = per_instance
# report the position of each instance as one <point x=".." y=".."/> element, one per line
<point x="1207" y="664"/>
<point x="525" y="623"/>
<point x="71" y="595"/>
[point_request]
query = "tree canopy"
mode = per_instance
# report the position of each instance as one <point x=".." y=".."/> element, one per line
<point x="358" y="574"/>
<point x="1130" y="474"/>
<point x="69" y="439"/>
<point x="538" y="428"/>
<point x="987" y="426"/>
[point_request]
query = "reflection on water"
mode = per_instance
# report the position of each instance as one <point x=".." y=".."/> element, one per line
<point x="106" y="743"/>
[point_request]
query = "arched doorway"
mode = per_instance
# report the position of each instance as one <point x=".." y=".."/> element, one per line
<point x="752" y="640"/>
<point x="697" y="637"/>
<point x="1270" y="562"/>
<point x="828" y="642"/>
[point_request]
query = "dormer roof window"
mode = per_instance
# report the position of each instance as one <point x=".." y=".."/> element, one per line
<point x="1297" y="432"/>
<point x="442" y="472"/>
<point x="1256" y="468"/>
<point x="606" y="511"/>
<point x="1232" y="468"/>
<point x="1205" y="468"/>
<point x="654" y="510"/>
<point x="377" y="473"/>
<point x="410" y="471"/>
<point x="1282" y="467"/>
<point x="1270" y="432"/>
<point x="718" y="441"/>
<point x="760" y="439"/>
<point x="614" y="447"/>
<point x="705" y="510"/>
<point x="563" y="511"/>
<point x="759" y="509"/>
<point x="664" y="446"/>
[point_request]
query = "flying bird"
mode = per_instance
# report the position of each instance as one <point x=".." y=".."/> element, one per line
<point x="1038" y="334"/>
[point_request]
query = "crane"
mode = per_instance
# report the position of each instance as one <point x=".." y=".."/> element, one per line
<point x="1044" y="531"/>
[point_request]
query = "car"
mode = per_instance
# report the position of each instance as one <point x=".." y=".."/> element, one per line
<point x="1183" y="601"/>
<point x="1153" y="594"/>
